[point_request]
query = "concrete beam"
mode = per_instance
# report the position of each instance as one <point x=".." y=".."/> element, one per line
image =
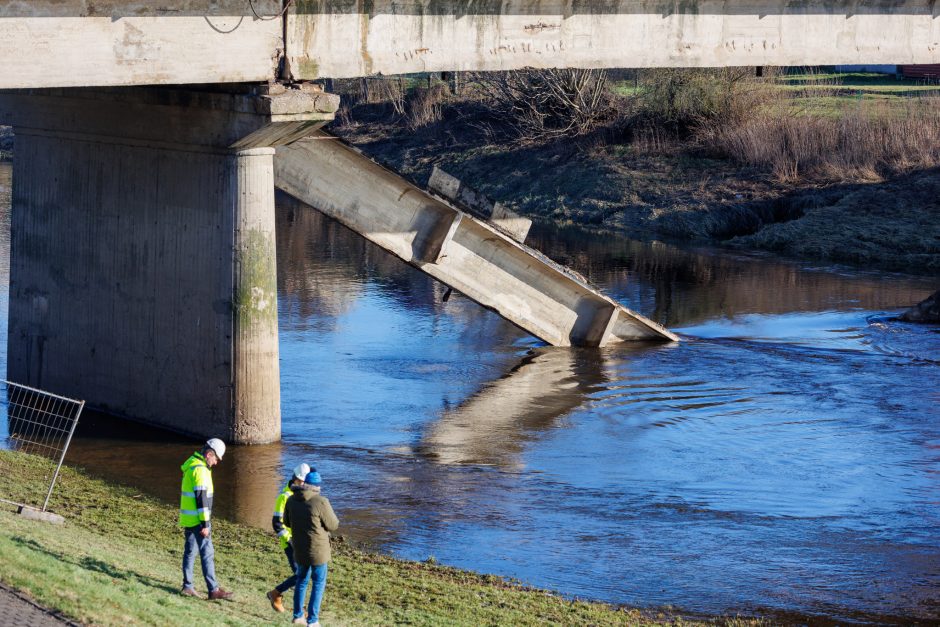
<point x="336" y="38"/>
<point x="468" y="199"/>
<point x="474" y="258"/>
<point x="64" y="43"/>
<point x="142" y="271"/>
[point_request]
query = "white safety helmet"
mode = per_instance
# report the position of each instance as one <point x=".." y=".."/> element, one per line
<point x="300" y="471"/>
<point x="217" y="446"/>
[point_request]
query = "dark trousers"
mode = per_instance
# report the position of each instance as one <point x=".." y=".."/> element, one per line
<point x="288" y="583"/>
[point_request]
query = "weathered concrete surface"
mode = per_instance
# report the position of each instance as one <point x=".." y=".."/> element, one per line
<point x="62" y="43"/>
<point x="467" y="254"/>
<point x="336" y="38"/>
<point x="468" y="199"/>
<point x="40" y="516"/>
<point x="142" y="272"/>
<point x="927" y="310"/>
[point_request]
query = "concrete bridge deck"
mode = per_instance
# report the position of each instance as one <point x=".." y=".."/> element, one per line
<point x="467" y="254"/>
<point x="63" y="43"/>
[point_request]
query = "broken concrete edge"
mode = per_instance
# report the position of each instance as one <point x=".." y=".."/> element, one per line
<point x="457" y="192"/>
<point x="32" y="513"/>
<point x="565" y="272"/>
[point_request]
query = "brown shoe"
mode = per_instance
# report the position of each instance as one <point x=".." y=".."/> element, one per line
<point x="188" y="592"/>
<point x="275" y="598"/>
<point x="220" y="594"/>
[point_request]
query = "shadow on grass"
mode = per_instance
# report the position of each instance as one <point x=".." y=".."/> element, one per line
<point x="96" y="565"/>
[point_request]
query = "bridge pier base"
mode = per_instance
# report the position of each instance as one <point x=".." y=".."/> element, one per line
<point x="142" y="272"/>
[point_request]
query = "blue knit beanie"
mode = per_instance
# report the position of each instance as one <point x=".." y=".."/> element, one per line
<point x="313" y="478"/>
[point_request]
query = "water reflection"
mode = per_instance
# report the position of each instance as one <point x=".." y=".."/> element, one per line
<point x="682" y="287"/>
<point x="493" y="426"/>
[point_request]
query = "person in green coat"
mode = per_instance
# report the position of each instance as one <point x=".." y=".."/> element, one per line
<point x="196" y="496"/>
<point x="310" y="518"/>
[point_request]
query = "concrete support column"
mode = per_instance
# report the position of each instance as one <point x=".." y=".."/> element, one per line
<point x="142" y="274"/>
<point x="257" y="384"/>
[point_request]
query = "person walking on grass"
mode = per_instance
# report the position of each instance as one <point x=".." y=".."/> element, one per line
<point x="311" y="519"/>
<point x="284" y="535"/>
<point x="196" y="518"/>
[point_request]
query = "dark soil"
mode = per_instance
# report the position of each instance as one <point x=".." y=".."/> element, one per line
<point x="670" y="192"/>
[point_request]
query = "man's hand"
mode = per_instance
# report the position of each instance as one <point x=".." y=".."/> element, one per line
<point x="204" y="532"/>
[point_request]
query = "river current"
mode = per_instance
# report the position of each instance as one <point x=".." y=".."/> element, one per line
<point x="784" y="458"/>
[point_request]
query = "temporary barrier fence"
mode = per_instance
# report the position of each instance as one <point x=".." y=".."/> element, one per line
<point x="37" y="423"/>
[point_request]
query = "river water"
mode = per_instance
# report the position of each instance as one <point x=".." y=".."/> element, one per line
<point x="783" y="458"/>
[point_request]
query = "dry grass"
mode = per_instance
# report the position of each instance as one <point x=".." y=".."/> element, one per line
<point x="856" y="146"/>
<point x="425" y="105"/>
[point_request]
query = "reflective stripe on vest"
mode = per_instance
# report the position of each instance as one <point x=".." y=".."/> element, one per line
<point x="197" y="478"/>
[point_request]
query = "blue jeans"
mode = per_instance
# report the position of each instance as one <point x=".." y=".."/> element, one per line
<point x="316" y="596"/>
<point x="195" y="542"/>
<point x="288" y="583"/>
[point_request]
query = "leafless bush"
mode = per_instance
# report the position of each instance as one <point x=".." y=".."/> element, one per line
<point x="861" y="144"/>
<point x="425" y="105"/>
<point x="541" y="105"/>
<point x="683" y="100"/>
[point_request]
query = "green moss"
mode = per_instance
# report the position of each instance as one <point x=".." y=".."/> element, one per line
<point x="256" y="290"/>
<point x="116" y="562"/>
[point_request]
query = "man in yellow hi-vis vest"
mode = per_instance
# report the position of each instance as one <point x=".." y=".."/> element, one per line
<point x="196" y="517"/>
<point x="284" y="535"/>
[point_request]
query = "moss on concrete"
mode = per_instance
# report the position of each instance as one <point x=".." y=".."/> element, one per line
<point x="255" y="299"/>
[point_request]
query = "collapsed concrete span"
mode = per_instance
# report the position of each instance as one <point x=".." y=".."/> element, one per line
<point x="469" y="255"/>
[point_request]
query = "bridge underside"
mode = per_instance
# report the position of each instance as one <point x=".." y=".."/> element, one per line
<point x="142" y="267"/>
<point x="60" y="43"/>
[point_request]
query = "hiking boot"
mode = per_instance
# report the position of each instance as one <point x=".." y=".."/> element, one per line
<point x="275" y="598"/>
<point x="189" y="592"/>
<point x="220" y="594"/>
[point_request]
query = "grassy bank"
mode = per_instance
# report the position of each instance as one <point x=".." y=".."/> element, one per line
<point x="685" y="155"/>
<point x="116" y="562"/>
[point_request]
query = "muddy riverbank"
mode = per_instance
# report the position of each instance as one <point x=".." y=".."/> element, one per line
<point x="674" y="195"/>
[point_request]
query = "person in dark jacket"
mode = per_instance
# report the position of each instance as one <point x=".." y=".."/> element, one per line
<point x="283" y="535"/>
<point x="310" y="518"/>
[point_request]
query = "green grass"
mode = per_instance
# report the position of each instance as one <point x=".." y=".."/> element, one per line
<point x="832" y="93"/>
<point x="116" y="562"/>
<point x="868" y="81"/>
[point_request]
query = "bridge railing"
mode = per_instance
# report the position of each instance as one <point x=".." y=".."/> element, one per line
<point x="38" y="425"/>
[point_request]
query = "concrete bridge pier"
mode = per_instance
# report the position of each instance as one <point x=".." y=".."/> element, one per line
<point x="142" y="271"/>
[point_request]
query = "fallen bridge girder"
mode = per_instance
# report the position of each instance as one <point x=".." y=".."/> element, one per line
<point x="466" y="254"/>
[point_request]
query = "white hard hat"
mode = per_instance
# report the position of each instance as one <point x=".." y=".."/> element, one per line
<point x="217" y="446"/>
<point x="300" y="471"/>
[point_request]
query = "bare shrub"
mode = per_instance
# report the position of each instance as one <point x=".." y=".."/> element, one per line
<point x="681" y="101"/>
<point x="541" y="105"/>
<point x="425" y="106"/>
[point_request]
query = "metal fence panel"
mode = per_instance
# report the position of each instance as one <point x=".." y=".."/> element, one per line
<point x="37" y="423"/>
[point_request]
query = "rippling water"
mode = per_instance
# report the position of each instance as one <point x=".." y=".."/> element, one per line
<point x="783" y="458"/>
